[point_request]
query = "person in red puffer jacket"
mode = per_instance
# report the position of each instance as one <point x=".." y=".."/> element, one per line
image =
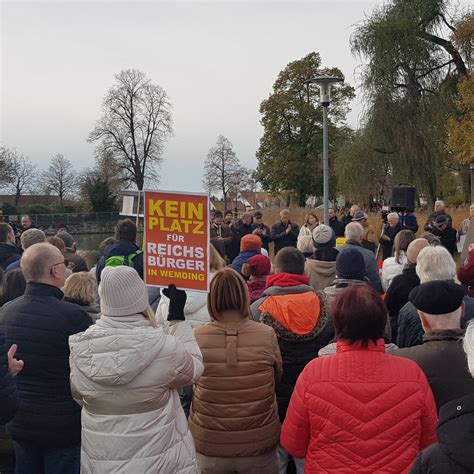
<point x="256" y="269"/>
<point x="360" y="410"/>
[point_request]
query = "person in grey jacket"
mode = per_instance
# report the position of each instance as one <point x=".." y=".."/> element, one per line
<point x="354" y="233"/>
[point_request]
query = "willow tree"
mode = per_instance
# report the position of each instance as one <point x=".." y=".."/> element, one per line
<point x="411" y="69"/>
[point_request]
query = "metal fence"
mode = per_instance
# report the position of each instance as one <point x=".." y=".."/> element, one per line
<point x="45" y="220"/>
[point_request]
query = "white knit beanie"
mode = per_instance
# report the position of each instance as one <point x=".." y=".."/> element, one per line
<point x="122" y="292"/>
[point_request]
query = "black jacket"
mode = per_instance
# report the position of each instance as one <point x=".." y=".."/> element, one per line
<point x="265" y="235"/>
<point x="281" y="238"/>
<point x="40" y="323"/>
<point x="443" y="360"/>
<point x="410" y="331"/>
<point x="8" y="254"/>
<point x="448" y="238"/>
<point x="337" y="227"/>
<point x="124" y="248"/>
<point x="432" y="218"/>
<point x="454" y="452"/>
<point x="8" y="393"/>
<point x="397" y="295"/>
<point x="238" y="231"/>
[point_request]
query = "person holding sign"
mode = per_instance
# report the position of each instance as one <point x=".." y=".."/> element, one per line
<point x="125" y="372"/>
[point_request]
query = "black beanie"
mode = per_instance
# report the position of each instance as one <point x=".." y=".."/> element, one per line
<point x="350" y="264"/>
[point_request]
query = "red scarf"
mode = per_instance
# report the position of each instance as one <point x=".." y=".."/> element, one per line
<point x="286" y="279"/>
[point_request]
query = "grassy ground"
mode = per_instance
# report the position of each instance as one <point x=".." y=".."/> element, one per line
<point x="271" y="215"/>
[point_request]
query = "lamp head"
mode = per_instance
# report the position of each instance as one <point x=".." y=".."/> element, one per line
<point x="324" y="83"/>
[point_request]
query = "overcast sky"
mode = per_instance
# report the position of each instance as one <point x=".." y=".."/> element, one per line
<point x="216" y="60"/>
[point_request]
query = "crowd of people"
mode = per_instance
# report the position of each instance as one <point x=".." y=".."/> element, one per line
<point x="305" y="356"/>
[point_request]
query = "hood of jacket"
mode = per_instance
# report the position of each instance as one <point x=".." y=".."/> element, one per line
<point x="285" y="280"/>
<point x="326" y="269"/>
<point x="455" y="431"/>
<point x="7" y="250"/>
<point x="121" y="247"/>
<point x="116" y="349"/>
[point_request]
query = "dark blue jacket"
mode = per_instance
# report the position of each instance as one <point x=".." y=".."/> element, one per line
<point x="242" y="258"/>
<point x="40" y="323"/>
<point x="124" y="248"/>
<point x="8" y="254"/>
<point x="8" y="393"/>
<point x="281" y="238"/>
<point x="408" y="222"/>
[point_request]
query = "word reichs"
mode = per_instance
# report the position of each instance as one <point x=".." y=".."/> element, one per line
<point x="180" y="257"/>
<point x="176" y="216"/>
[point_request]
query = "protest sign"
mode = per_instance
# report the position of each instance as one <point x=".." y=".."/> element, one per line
<point x="176" y="240"/>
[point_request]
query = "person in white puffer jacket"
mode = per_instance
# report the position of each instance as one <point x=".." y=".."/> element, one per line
<point x="195" y="309"/>
<point x="125" y="372"/>
<point x="393" y="266"/>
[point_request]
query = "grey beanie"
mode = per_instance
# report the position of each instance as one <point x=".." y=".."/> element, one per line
<point x="122" y="292"/>
<point x="67" y="238"/>
<point x="322" y="234"/>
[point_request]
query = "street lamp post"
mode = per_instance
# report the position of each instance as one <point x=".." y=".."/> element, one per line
<point x="324" y="83"/>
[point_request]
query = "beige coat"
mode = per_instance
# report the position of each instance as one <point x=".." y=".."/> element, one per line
<point x="321" y="274"/>
<point x="126" y="374"/>
<point x="234" y="411"/>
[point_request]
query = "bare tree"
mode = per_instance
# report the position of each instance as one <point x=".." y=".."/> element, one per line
<point x="6" y="167"/>
<point x="135" y="125"/>
<point x="24" y="174"/>
<point x="221" y="168"/>
<point x="59" y="178"/>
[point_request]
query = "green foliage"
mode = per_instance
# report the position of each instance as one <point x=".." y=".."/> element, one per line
<point x="290" y="152"/>
<point x="410" y="80"/>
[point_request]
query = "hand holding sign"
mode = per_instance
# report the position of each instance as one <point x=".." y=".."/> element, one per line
<point x="177" y="303"/>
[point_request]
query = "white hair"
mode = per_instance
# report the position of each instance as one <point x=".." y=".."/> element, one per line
<point x="354" y="231"/>
<point x="469" y="346"/>
<point x="440" y="202"/>
<point x="434" y="264"/>
<point x="393" y="215"/>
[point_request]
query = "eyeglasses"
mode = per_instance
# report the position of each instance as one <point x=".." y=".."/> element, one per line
<point x="60" y="263"/>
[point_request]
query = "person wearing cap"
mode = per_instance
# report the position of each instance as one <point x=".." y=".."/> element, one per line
<point x="305" y="237"/>
<point x="46" y="429"/>
<point x="453" y="452"/>
<point x="433" y="264"/>
<point x="321" y="265"/>
<point x="350" y="269"/>
<point x="300" y="320"/>
<point x="439" y="210"/>
<point x="446" y="234"/>
<point x="441" y="357"/>
<point x="126" y="371"/>
<point x="284" y="233"/>
<point x="393" y="266"/>
<point x="390" y="231"/>
<point x="250" y="245"/>
<point x="262" y="230"/>
<point x="399" y="289"/>
<point x="256" y="270"/>
<point x="369" y="238"/>
<point x="354" y="237"/>
<point x="360" y="410"/>
<point x="220" y="234"/>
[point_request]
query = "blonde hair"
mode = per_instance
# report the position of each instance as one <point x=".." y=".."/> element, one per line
<point x="228" y="292"/>
<point x="80" y="287"/>
<point x="150" y="315"/>
<point x="216" y="262"/>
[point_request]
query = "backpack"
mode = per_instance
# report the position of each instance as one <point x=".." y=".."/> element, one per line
<point x="118" y="260"/>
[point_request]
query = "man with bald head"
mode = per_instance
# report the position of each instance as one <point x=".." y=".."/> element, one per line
<point x="46" y="429"/>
